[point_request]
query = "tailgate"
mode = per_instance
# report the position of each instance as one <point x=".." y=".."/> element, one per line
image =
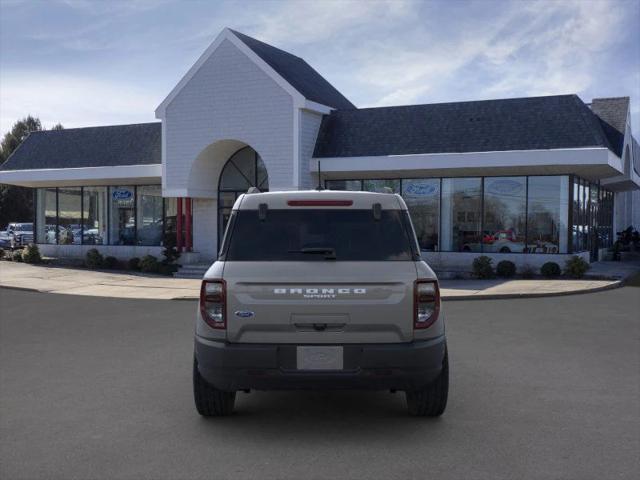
<point x="320" y="302"/>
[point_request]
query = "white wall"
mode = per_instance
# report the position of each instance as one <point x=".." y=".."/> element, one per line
<point x="229" y="97"/>
<point x="205" y="231"/>
<point x="309" y="127"/>
<point x="121" y="252"/>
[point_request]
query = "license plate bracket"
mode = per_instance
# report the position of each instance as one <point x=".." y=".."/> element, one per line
<point x="317" y="357"/>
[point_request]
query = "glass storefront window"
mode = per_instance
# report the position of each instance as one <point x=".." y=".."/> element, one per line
<point x="122" y="224"/>
<point x="422" y="197"/>
<point x="505" y="206"/>
<point x="381" y="186"/>
<point x="69" y="216"/>
<point x="461" y="214"/>
<point x="46" y="216"/>
<point x="351" y="185"/>
<point x="149" y="215"/>
<point x="575" y="230"/>
<point x="94" y="215"/>
<point x="548" y="200"/>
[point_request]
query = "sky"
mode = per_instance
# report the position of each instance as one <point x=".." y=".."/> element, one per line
<point x="86" y="63"/>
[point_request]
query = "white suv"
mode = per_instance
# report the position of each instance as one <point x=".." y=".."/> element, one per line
<point x="320" y="290"/>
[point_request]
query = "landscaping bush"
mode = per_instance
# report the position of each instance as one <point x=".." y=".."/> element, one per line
<point x="550" y="270"/>
<point x="149" y="264"/>
<point x="110" y="262"/>
<point x="1" y="253"/>
<point x="134" y="263"/>
<point x="31" y="254"/>
<point x="506" y="269"/>
<point x="16" y="256"/>
<point x="527" y="271"/>
<point x="482" y="267"/>
<point x="170" y="252"/>
<point x="576" y="267"/>
<point x="94" y="259"/>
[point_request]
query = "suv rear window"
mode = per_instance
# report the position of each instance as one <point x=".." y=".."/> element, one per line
<point x="318" y="234"/>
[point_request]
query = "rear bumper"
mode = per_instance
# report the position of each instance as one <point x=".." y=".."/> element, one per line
<point x="400" y="366"/>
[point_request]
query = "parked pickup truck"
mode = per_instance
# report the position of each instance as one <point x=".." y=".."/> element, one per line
<point x="320" y="290"/>
<point x="18" y="235"/>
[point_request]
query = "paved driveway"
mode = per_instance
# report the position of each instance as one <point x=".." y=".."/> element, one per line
<point x="100" y="388"/>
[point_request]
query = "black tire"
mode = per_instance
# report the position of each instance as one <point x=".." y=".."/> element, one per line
<point x="210" y="402"/>
<point x="505" y="250"/>
<point x="432" y="400"/>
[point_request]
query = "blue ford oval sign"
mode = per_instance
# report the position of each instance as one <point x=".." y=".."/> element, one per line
<point x="505" y="187"/>
<point x="421" y="189"/>
<point x="244" y="314"/>
<point x="122" y="194"/>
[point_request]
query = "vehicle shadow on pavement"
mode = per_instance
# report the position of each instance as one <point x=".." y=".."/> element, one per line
<point x="318" y="415"/>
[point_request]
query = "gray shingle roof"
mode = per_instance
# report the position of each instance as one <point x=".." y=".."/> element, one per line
<point x="138" y="144"/>
<point x="533" y="123"/>
<point x="298" y="73"/>
<point x="613" y="115"/>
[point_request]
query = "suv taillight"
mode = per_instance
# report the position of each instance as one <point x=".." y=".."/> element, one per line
<point x="426" y="303"/>
<point x="213" y="303"/>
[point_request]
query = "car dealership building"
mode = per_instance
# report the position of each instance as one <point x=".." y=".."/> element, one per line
<point x="526" y="179"/>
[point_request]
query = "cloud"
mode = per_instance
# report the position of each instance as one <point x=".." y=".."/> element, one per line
<point x="533" y="48"/>
<point x="73" y="101"/>
<point x="296" y="22"/>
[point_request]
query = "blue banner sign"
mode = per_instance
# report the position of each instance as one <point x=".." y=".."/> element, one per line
<point x="122" y="194"/>
<point x="505" y="187"/>
<point x="421" y="189"/>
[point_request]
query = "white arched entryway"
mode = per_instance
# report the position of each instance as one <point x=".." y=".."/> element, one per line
<point x="219" y="174"/>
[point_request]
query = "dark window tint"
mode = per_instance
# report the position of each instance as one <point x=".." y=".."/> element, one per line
<point x="352" y="234"/>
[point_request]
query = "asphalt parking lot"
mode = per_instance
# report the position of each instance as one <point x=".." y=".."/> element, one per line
<point x="101" y="388"/>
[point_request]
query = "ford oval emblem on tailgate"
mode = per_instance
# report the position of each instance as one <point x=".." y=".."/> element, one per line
<point x="244" y="314"/>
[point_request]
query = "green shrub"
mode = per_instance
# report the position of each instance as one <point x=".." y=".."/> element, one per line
<point x="110" y="262"/>
<point x="576" y="267"/>
<point x="1" y="253"/>
<point x="506" y="269"/>
<point x="170" y="252"/>
<point x="94" y="259"/>
<point x="527" y="271"/>
<point x="149" y="264"/>
<point x="16" y="256"/>
<point x="31" y="254"/>
<point x="482" y="267"/>
<point x="550" y="270"/>
<point x="166" y="269"/>
<point x="134" y="263"/>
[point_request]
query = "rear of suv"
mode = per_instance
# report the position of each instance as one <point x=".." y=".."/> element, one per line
<point x="320" y="290"/>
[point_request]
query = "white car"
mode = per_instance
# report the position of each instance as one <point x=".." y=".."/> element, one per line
<point x="19" y="234"/>
<point x="320" y="290"/>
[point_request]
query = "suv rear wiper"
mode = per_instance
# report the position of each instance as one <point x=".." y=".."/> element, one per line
<point x="329" y="253"/>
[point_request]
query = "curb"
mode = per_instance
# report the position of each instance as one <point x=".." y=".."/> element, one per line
<point x="448" y="298"/>
<point x="506" y="296"/>
<point x="23" y="289"/>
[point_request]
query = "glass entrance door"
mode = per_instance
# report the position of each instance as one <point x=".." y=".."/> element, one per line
<point x="243" y="170"/>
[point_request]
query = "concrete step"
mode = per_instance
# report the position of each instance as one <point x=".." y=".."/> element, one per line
<point x="192" y="271"/>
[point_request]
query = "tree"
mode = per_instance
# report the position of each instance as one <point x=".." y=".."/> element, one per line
<point x="16" y="203"/>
